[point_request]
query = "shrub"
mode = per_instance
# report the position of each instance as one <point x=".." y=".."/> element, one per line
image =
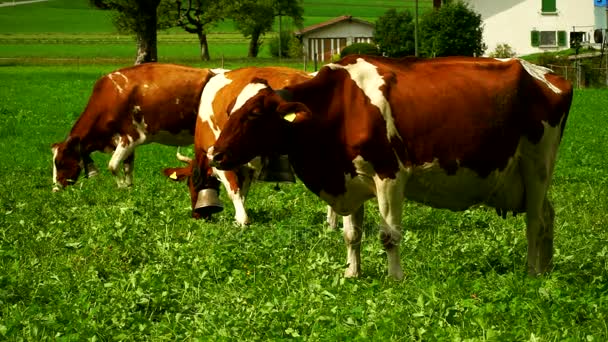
<point x="290" y="45"/>
<point x="394" y="33"/>
<point x="503" y="51"/>
<point x="453" y="30"/>
<point x="361" y="49"/>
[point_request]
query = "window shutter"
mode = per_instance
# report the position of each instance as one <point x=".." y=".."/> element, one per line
<point x="535" y="38"/>
<point x="549" y="6"/>
<point x="561" y="38"/>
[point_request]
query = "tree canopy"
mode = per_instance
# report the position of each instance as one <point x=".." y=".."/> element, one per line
<point x="394" y="33"/>
<point x="453" y="30"/>
<point x="254" y="18"/>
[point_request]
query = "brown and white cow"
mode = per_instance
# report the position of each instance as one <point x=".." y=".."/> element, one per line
<point x="223" y="94"/>
<point x="451" y="133"/>
<point x="137" y="105"/>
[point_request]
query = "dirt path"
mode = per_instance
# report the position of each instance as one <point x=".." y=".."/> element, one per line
<point x="6" y="4"/>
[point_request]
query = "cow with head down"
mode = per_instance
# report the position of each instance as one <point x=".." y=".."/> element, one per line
<point x="129" y="107"/>
<point x="447" y="132"/>
<point x="224" y="94"/>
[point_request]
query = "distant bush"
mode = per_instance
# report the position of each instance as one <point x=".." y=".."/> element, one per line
<point x="503" y="51"/>
<point x="361" y="49"/>
<point x="453" y="30"/>
<point x="547" y="58"/>
<point x="394" y="33"/>
<point x="290" y="45"/>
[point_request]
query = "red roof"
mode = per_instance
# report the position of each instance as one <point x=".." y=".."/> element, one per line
<point x="333" y="21"/>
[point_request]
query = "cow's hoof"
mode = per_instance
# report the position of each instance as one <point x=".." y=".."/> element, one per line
<point x="349" y="273"/>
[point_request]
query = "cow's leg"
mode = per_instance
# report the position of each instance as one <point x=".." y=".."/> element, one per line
<point x="124" y="149"/>
<point x="390" y="202"/>
<point x="236" y="190"/>
<point x="90" y="169"/>
<point x="128" y="165"/>
<point x="352" y="237"/>
<point x="332" y="218"/>
<point x="539" y="218"/>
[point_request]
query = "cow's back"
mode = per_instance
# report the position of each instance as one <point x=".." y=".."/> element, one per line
<point x="458" y="127"/>
<point x="220" y="96"/>
<point x="163" y="97"/>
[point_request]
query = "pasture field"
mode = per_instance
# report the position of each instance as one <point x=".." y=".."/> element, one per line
<point x="98" y="263"/>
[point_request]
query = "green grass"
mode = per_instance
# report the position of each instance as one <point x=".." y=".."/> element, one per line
<point x="98" y="263"/>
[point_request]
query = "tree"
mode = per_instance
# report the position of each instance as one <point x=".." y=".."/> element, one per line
<point x="195" y="16"/>
<point x="253" y="18"/>
<point x="453" y="30"/>
<point x="394" y="33"/>
<point x="138" y="17"/>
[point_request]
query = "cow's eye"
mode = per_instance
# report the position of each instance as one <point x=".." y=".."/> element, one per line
<point x="255" y="114"/>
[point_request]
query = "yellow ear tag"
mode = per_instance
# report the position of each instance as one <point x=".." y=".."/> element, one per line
<point x="290" y="117"/>
<point x="173" y="175"/>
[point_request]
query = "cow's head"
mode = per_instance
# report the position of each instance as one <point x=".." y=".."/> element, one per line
<point x="67" y="162"/>
<point x="197" y="178"/>
<point x="260" y="127"/>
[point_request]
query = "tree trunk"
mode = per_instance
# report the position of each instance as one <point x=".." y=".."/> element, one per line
<point x="146" y="33"/>
<point x="436" y="4"/>
<point x="254" y="44"/>
<point x="202" y="38"/>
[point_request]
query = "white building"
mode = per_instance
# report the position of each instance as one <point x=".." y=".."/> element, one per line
<point x="530" y="26"/>
<point x="329" y="38"/>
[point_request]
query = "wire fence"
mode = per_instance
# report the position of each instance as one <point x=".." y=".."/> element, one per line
<point x="583" y="75"/>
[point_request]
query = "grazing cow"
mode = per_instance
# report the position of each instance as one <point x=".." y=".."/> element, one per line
<point x="447" y="132"/>
<point x="218" y="100"/>
<point x="147" y="103"/>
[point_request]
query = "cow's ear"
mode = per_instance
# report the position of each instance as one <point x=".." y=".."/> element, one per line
<point x="178" y="173"/>
<point x="292" y="111"/>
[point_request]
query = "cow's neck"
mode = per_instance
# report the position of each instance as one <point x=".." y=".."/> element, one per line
<point x="316" y="151"/>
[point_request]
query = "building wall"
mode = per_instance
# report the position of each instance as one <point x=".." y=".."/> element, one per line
<point x="330" y="40"/>
<point x="512" y="21"/>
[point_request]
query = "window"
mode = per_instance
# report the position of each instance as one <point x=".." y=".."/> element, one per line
<point x="548" y="38"/>
<point x="549" y="6"/>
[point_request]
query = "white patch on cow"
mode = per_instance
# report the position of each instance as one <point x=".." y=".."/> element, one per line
<point x="123" y="151"/>
<point x="539" y="73"/>
<point x="55" y="182"/>
<point x="218" y="71"/>
<point x="118" y="73"/>
<point x="205" y="111"/>
<point x="118" y="87"/>
<point x="248" y="92"/>
<point x="366" y="76"/>
<point x="503" y="59"/>
<point x="177" y="100"/>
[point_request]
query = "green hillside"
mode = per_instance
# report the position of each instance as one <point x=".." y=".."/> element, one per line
<point x="77" y="17"/>
<point x="72" y="29"/>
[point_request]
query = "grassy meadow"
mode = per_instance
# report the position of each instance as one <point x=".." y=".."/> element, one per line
<point x="98" y="263"/>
